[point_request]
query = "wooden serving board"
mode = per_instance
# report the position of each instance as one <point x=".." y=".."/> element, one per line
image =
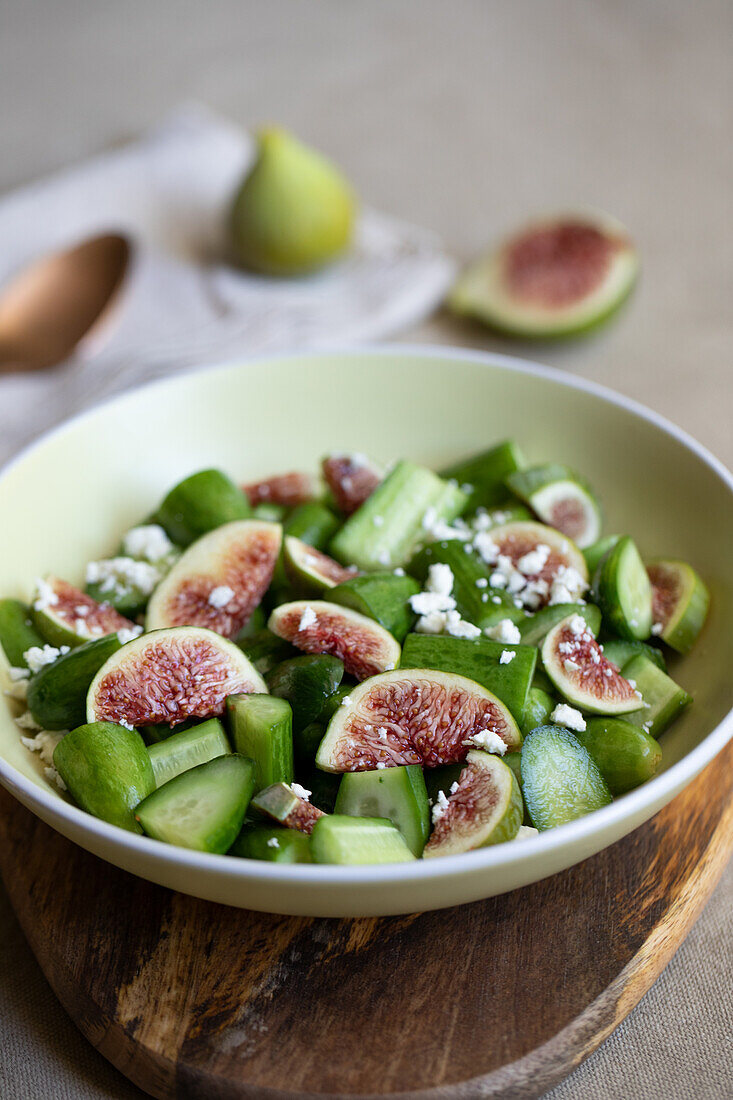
<point x="501" y="998"/>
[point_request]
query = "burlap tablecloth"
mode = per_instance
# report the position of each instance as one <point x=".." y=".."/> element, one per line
<point x="461" y="117"/>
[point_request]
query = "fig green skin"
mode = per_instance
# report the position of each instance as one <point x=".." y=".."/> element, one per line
<point x="57" y="694"/>
<point x="688" y="617"/>
<point x="626" y="756"/>
<point x="312" y="523"/>
<point x="560" y="780"/>
<point x="254" y="842"/>
<point x="18" y="633"/>
<point x="294" y="213"/>
<point x="498" y="824"/>
<point x="306" y="682"/>
<point x="107" y="770"/>
<point x="537" y="711"/>
<point x="200" y="503"/>
<point x="383" y="597"/>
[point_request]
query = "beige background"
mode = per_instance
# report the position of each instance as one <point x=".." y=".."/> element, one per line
<point x="463" y="116"/>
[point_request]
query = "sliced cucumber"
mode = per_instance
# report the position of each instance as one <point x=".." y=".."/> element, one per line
<point x="560" y="499"/>
<point x="485" y="474"/>
<point x="202" y="808"/>
<point x="663" y="699"/>
<point x="485" y="808"/>
<point x="535" y="627"/>
<point x="624" y="592"/>
<point x="17" y="632"/>
<point x="383" y="597"/>
<point x="186" y="749"/>
<point x="272" y="843"/>
<point x="398" y="794"/>
<point x="200" y="503"/>
<point x="477" y="659"/>
<point x="107" y="770"/>
<point x="306" y="683"/>
<point x="597" y="551"/>
<point x="265" y="650"/>
<point x="471" y="589"/>
<point x="387" y="529"/>
<point x="261" y="728"/>
<point x="537" y="710"/>
<point x="680" y="602"/>
<point x="346" y="840"/>
<point x="560" y="780"/>
<point x="57" y="694"/>
<point x="626" y="756"/>
<point x="621" y="650"/>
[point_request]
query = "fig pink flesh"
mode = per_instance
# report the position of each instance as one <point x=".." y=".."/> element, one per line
<point x="168" y="681"/>
<point x="303" y="817"/>
<point x="95" y="619"/>
<point x="351" y="481"/>
<point x="555" y="266"/>
<point x="246" y="567"/>
<point x="414" y="722"/>
<point x="286" y="489"/>
<point x="336" y="634"/>
<point x="473" y="800"/>
<point x="594" y="673"/>
<point x="665" y="592"/>
<point x="515" y="546"/>
<point x="569" y="517"/>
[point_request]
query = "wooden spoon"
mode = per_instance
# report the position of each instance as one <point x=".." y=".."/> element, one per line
<point x="55" y="301"/>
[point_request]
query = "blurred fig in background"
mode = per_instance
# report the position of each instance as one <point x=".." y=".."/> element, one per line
<point x="294" y="213"/>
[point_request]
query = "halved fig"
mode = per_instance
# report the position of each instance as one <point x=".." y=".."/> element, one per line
<point x="310" y="571"/>
<point x="412" y="716"/>
<point x="352" y="478"/>
<point x="287" y="489"/>
<point x="316" y="626"/>
<point x="558" y="276"/>
<point x="219" y="580"/>
<point x="680" y="602"/>
<point x="287" y="805"/>
<point x="538" y="563"/>
<point x="483" y="807"/>
<point x="560" y="499"/>
<point x="169" y="676"/>
<point x="67" y="616"/>
<point x="575" y="663"/>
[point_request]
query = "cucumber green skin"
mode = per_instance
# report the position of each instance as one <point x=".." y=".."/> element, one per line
<point x="399" y="794"/>
<point x="18" y="633"/>
<point x="441" y="778"/>
<point x="344" y="840"/>
<point x="534" y="627"/>
<point x="323" y="786"/>
<point x="607" y="584"/>
<point x="306" y="682"/>
<point x="200" y="503"/>
<point x="595" y="553"/>
<point x="265" y="650"/>
<point x="507" y="511"/>
<point x="621" y="650"/>
<point x="293" y="846"/>
<point x="307" y="740"/>
<point x="539" y="707"/>
<point x="57" y="694"/>
<point x="312" y="523"/>
<point x="401" y="501"/>
<point x="159" y="731"/>
<point x="626" y="756"/>
<point x="466" y="570"/>
<point x="486" y="473"/>
<point x="185" y="749"/>
<point x="226" y="783"/>
<point x="664" y="700"/>
<point x="261" y="728"/>
<point x="107" y="770"/>
<point x="560" y="780"/>
<point x="477" y="659"/>
<point x="382" y="597"/>
<point x="333" y="702"/>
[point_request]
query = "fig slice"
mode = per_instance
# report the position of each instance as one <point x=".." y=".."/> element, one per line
<point x="285" y="803"/>
<point x="352" y="478"/>
<point x="561" y="500"/>
<point x="289" y="490"/>
<point x="67" y="616"/>
<point x="558" y="276"/>
<point x="680" y="602"/>
<point x="484" y="807"/>
<point x="534" y="563"/>
<point x="575" y="663"/>
<point x="310" y="571"/>
<point x="413" y="716"/>
<point x="219" y="580"/>
<point x="169" y="676"/>
<point x="316" y="626"/>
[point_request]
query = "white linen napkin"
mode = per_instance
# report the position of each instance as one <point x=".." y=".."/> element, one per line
<point x="181" y="306"/>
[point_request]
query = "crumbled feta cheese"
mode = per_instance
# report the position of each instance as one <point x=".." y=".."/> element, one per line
<point x="123" y="722"/>
<point x="507" y="656"/>
<point x="459" y="628"/>
<point x="453" y="787"/>
<point x="440" y="579"/>
<point x="82" y="610"/>
<point x="567" y="585"/>
<point x="482" y="582"/>
<point x="488" y="741"/>
<point x="308" y="618"/>
<point x="17" y="674"/>
<point x="45" y="595"/>
<point x="496" y="599"/>
<point x="116" y="574"/>
<point x="37" y="657"/>
<point x="301" y="792"/>
<point x="657" y="628"/>
<point x="570" y="666"/>
<point x="128" y="633"/>
<point x="381" y="765"/>
<point x="485" y="547"/>
<point x="26" y="721"/>
<point x="148" y="542"/>
<point x="43" y="743"/>
<point x="424" y="603"/>
<point x="577" y="625"/>
<point x="220" y="596"/>
<point x="399" y="571"/>
<point x="440" y="808"/>
<point x="568" y="716"/>
<point x="432" y="623"/>
<point x="526" y="832"/>
<point x="378" y="521"/>
<point x="53" y="777"/>
<point x="535" y="560"/>
<point x="273" y="842"/>
<point x="505" y="631"/>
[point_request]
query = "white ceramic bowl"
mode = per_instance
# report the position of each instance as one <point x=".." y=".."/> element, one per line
<point x="69" y="497"/>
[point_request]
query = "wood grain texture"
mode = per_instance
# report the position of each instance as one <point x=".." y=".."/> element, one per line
<point x="500" y="998"/>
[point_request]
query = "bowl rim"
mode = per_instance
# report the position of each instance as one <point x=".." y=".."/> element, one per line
<point x="575" y="833"/>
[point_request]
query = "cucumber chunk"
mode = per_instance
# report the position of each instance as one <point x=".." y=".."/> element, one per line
<point x="624" y="592"/>
<point x="57" y="694"/>
<point x="272" y="843"/>
<point x="398" y="794"/>
<point x="485" y="473"/>
<point x="185" y="749"/>
<point x="534" y="627"/>
<point x="559" y="497"/>
<point x="387" y="529"/>
<point x="17" y="632"/>
<point x="202" y="808"/>
<point x="200" y="503"/>
<point x="560" y="780"/>
<point x="265" y="650"/>
<point x="663" y="699"/>
<point x="344" y="840"/>
<point x="306" y="683"/>
<point x="621" y="650"/>
<point x="597" y="551"/>
<point x="261" y="728"/>
<point x="477" y="659"/>
<point x="383" y="597"/>
<point x="626" y="756"/>
<point x="107" y="770"/>
<point x="538" y="708"/>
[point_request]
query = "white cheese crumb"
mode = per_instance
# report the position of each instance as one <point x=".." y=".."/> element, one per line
<point x="37" y="657"/>
<point x="526" y="832"/>
<point x="308" y="618"/>
<point x="440" y="579"/>
<point x="570" y="665"/>
<point x="128" y="633"/>
<point x="453" y="787"/>
<point x="16" y="674"/>
<point x="534" y="561"/>
<point x="459" y="628"/>
<point x="45" y="595"/>
<point x="567" y="586"/>
<point x="148" y="542"/>
<point x="482" y="582"/>
<point x="488" y="741"/>
<point x="577" y="625"/>
<point x="486" y="548"/>
<point x="507" y="656"/>
<point x="381" y="765"/>
<point x="300" y="792"/>
<point x="53" y="777"/>
<point x="657" y="628"/>
<point x="26" y="721"/>
<point x="44" y="744"/>
<point x="505" y="631"/>
<point x="399" y="571"/>
<point x="113" y="574"/>
<point x="440" y="808"/>
<point x="82" y="610"/>
<point x="123" y="722"/>
<point x="220" y="596"/>
<point x="378" y="521"/>
<point x="273" y="842"/>
<point x="568" y="716"/>
<point x="425" y="603"/>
